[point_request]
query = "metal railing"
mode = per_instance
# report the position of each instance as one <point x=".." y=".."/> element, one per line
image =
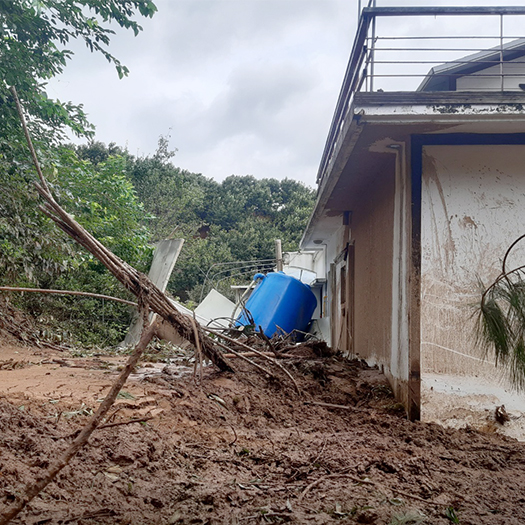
<point x="234" y="272"/>
<point x="384" y="63"/>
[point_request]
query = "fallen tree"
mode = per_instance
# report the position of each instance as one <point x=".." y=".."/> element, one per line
<point x="172" y="325"/>
<point x="136" y="282"/>
<point x="149" y="298"/>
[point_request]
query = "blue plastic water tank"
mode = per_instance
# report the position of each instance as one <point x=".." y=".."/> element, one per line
<point x="279" y="300"/>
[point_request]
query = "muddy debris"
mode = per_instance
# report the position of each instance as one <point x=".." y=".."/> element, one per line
<point x="242" y="448"/>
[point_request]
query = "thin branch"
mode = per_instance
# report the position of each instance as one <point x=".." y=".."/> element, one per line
<point x="364" y="482"/>
<point x="245" y="354"/>
<point x="507" y="253"/>
<point x="198" y="350"/>
<point x="331" y="405"/>
<point x="117" y="424"/>
<point x="28" y="137"/>
<point x="129" y="422"/>
<point x="258" y="352"/>
<point x="66" y="292"/>
<point x="244" y="358"/>
<point x="499" y="278"/>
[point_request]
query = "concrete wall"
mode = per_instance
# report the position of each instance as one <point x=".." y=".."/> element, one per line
<point x="377" y="316"/>
<point x="473" y="207"/>
<point x="372" y="233"/>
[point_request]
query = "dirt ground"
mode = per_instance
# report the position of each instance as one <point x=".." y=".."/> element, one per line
<point x="242" y="449"/>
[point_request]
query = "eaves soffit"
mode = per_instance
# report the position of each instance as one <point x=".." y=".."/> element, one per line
<point x="380" y="119"/>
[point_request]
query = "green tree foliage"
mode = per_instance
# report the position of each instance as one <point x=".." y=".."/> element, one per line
<point x="236" y="220"/>
<point x="104" y="201"/>
<point x="30" y="247"/>
<point x="97" y="152"/>
<point x="500" y="328"/>
<point x="33" y="48"/>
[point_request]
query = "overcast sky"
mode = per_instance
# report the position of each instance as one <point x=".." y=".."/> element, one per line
<point x="244" y="87"/>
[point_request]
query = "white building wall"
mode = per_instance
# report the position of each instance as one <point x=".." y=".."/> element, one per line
<point x="473" y="208"/>
<point x="311" y="260"/>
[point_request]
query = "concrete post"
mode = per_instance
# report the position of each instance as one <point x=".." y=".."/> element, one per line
<point x="164" y="259"/>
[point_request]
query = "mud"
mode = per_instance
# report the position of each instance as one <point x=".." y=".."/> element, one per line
<point x="241" y="448"/>
<point x="462" y="401"/>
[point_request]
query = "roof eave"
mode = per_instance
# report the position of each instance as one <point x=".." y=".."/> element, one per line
<point x="442" y="109"/>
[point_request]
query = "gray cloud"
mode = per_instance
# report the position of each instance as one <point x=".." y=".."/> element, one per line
<point x="244" y="86"/>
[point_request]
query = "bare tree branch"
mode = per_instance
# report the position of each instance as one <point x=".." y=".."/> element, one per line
<point x="66" y="292"/>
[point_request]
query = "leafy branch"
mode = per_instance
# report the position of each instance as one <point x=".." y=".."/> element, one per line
<point x="500" y="326"/>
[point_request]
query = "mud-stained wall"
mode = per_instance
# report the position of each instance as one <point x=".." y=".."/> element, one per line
<point x="473" y="207"/>
<point x="372" y="233"/>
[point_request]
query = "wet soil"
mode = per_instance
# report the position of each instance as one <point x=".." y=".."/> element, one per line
<point x="242" y="448"/>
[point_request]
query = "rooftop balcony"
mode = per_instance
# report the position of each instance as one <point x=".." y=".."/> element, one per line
<point x="458" y="53"/>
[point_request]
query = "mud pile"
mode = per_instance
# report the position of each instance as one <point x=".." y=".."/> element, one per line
<point x="240" y="448"/>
